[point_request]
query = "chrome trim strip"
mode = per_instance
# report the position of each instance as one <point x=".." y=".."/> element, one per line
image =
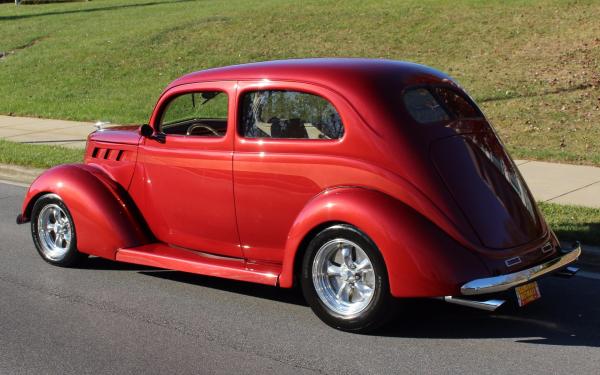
<point x="511" y="280"/>
<point x="490" y="305"/>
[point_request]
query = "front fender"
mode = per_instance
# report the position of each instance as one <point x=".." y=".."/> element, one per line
<point x="421" y="260"/>
<point x="105" y="217"/>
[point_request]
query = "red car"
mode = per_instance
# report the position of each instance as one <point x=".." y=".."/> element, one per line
<point x="363" y="181"/>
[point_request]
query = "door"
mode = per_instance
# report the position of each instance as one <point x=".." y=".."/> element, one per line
<point x="184" y="185"/>
<point x="289" y="148"/>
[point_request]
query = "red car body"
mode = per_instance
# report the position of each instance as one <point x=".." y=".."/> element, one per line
<point x="443" y="202"/>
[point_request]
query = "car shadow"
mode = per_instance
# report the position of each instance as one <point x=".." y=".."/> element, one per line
<point x="292" y="296"/>
<point x="97" y="263"/>
<point x="436" y="320"/>
<point x="568" y="313"/>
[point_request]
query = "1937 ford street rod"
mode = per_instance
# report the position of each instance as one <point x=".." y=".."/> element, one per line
<point x="364" y="181"/>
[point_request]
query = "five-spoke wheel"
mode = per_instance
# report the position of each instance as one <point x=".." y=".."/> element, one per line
<point x="344" y="279"/>
<point x="53" y="231"/>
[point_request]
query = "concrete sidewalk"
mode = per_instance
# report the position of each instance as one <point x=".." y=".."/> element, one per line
<point x="550" y="182"/>
<point x="42" y="131"/>
<point x="562" y="183"/>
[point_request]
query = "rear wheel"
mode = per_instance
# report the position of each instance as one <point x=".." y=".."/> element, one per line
<point x="53" y="232"/>
<point x="345" y="281"/>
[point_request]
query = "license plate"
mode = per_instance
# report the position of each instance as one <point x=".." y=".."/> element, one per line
<point x="527" y="293"/>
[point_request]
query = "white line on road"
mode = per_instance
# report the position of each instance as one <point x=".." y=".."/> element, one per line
<point x="588" y="275"/>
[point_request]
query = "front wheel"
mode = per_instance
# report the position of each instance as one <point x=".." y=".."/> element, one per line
<point x="53" y="232"/>
<point x="344" y="280"/>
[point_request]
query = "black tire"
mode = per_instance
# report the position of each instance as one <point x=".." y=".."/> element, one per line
<point x="71" y="257"/>
<point x="381" y="306"/>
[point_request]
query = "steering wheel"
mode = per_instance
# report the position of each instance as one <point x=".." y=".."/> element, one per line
<point x="190" y="130"/>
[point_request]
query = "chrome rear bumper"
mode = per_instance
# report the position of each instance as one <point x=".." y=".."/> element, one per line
<point x="504" y="282"/>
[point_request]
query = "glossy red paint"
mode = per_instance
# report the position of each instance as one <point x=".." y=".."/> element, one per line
<point x="160" y="255"/>
<point x="184" y="187"/>
<point x="114" y="156"/>
<point x="105" y="217"/>
<point x="440" y="211"/>
<point x="422" y="260"/>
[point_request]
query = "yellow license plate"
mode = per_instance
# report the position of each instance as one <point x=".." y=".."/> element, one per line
<point x="527" y="293"/>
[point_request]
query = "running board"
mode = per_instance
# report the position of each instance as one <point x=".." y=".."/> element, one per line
<point x="489" y="305"/>
<point x="174" y="258"/>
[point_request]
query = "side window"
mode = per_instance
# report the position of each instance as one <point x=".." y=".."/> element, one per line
<point x="288" y="115"/>
<point x="199" y="114"/>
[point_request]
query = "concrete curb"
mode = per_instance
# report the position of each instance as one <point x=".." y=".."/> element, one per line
<point x="18" y="174"/>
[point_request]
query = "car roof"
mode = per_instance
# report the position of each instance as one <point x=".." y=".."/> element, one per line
<point x="341" y="74"/>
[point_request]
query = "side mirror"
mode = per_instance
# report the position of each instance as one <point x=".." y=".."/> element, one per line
<point x="147" y="132"/>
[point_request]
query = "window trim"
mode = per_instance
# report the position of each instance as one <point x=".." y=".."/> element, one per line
<point x="280" y="86"/>
<point x="453" y="118"/>
<point x="165" y="104"/>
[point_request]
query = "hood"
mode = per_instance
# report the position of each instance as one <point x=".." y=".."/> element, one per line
<point x="117" y="134"/>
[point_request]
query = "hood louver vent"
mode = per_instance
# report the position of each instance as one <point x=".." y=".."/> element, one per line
<point x="108" y="154"/>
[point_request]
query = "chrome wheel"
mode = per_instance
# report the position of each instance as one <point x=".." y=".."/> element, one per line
<point x="55" y="232"/>
<point x="343" y="277"/>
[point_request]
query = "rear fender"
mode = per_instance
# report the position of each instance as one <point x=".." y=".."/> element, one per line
<point x="105" y="217"/>
<point x="421" y="259"/>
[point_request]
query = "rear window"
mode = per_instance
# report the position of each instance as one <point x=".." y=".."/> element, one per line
<point x="429" y="105"/>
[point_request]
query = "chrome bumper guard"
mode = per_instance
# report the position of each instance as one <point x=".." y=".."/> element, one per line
<point x="504" y="282"/>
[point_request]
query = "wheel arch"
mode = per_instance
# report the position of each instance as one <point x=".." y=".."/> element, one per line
<point x="303" y="245"/>
<point x="421" y="260"/>
<point x="325" y="210"/>
<point x="104" y="215"/>
<point x="25" y="216"/>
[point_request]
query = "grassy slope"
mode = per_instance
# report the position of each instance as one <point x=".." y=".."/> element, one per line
<point x="37" y="156"/>
<point x="534" y="66"/>
<point x="573" y="222"/>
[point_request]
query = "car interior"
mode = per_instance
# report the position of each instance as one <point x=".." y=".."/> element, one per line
<point x="293" y="128"/>
<point x="203" y="127"/>
<point x="202" y="114"/>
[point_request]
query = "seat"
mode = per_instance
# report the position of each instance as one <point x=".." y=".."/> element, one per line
<point x="275" y="127"/>
<point x="294" y="129"/>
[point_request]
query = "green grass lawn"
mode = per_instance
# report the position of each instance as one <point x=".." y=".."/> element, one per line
<point x="534" y="66"/>
<point x="572" y="223"/>
<point x="37" y="156"/>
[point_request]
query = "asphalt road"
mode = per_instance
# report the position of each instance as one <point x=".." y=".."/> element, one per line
<point x="115" y="318"/>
